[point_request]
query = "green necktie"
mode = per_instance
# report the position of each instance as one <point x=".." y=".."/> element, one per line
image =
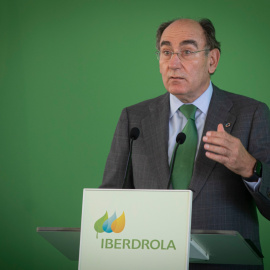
<point x="184" y="160"/>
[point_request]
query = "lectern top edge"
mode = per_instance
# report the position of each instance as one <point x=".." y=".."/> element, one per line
<point x="57" y="229"/>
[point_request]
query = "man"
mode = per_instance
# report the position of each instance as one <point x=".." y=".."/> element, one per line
<point x="232" y="163"/>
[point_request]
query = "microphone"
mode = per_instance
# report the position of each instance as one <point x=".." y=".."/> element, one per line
<point x="180" y="139"/>
<point x="133" y="136"/>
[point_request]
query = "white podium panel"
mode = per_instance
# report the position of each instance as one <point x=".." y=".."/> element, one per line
<point x="135" y="229"/>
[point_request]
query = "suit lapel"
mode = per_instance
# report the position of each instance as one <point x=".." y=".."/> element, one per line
<point x="155" y="131"/>
<point x="218" y="112"/>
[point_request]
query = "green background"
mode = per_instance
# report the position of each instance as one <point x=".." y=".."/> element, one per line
<point x="67" y="68"/>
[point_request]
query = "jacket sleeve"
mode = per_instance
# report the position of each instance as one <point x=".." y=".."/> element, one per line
<point x="259" y="147"/>
<point x="117" y="159"/>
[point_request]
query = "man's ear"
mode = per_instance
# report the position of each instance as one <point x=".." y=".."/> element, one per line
<point x="213" y="56"/>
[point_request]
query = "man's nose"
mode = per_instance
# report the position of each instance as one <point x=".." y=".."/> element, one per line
<point x="175" y="62"/>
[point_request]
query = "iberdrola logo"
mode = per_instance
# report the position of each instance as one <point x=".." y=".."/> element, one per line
<point x="110" y="224"/>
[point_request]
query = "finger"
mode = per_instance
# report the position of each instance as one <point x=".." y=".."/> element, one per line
<point x="219" y="133"/>
<point x="220" y="128"/>
<point x="216" y="134"/>
<point x="221" y="141"/>
<point x="218" y="158"/>
<point x="217" y="149"/>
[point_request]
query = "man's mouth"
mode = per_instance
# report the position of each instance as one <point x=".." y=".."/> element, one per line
<point x="176" y="78"/>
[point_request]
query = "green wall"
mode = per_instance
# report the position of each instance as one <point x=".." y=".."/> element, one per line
<point x="67" y="68"/>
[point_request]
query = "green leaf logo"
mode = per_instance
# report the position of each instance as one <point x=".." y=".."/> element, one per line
<point x="99" y="223"/>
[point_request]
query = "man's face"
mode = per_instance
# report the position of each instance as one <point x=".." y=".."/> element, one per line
<point x="186" y="79"/>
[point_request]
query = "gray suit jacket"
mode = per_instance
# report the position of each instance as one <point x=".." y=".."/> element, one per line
<point x="221" y="200"/>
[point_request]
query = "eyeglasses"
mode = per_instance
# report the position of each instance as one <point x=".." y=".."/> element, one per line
<point x="166" y="55"/>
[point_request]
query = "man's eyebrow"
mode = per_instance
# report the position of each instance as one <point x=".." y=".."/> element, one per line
<point x="182" y="43"/>
<point x="189" y="42"/>
<point x="165" y="43"/>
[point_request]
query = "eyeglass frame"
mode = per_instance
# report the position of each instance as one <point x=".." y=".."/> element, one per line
<point x="179" y="53"/>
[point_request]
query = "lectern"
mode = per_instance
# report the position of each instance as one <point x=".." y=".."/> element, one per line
<point x="145" y="229"/>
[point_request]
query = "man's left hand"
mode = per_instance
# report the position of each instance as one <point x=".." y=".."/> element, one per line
<point x="229" y="151"/>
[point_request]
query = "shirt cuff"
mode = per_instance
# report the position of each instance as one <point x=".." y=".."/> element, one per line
<point x="254" y="186"/>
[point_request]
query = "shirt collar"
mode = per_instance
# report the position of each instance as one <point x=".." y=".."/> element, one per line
<point x="202" y="102"/>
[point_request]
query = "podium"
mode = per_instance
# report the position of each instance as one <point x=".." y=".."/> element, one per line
<point x="153" y="227"/>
